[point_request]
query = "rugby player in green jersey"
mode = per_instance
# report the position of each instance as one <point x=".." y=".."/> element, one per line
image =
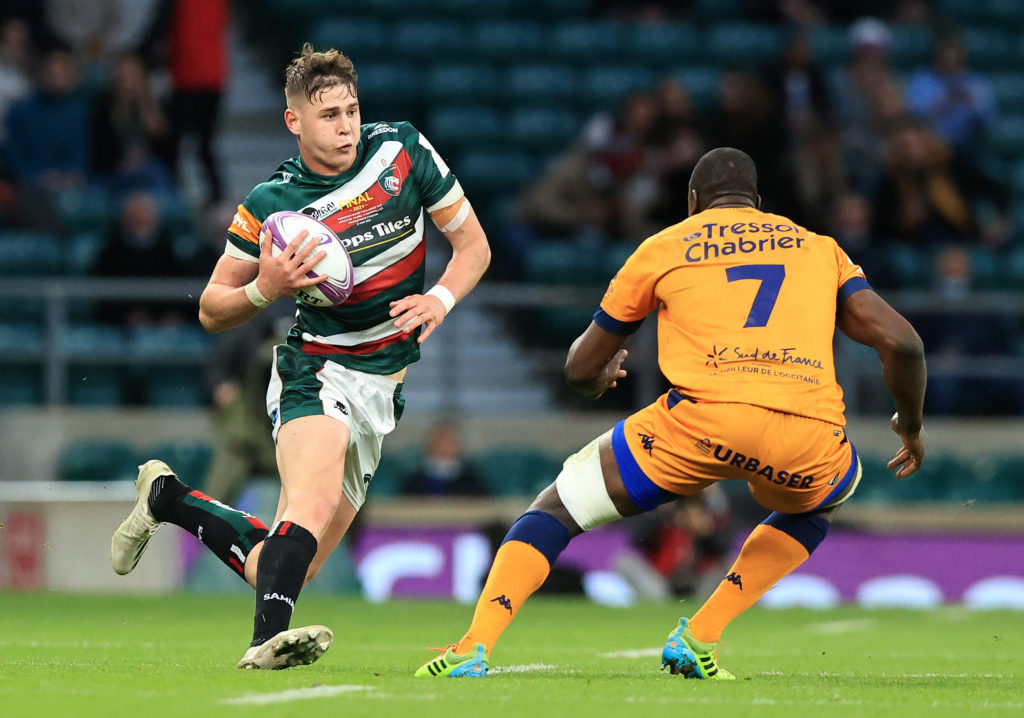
<point x="336" y="382"/>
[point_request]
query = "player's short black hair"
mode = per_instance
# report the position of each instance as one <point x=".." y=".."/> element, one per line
<point x="724" y="172"/>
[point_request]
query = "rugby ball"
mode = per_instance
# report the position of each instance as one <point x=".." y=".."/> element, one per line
<point x="337" y="265"/>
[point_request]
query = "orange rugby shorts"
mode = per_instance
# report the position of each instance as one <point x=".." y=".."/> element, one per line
<point x="792" y="464"/>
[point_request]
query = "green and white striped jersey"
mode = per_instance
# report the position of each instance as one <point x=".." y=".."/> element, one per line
<point x="377" y="209"/>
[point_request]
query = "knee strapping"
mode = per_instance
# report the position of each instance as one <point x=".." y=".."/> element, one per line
<point x="581" y="488"/>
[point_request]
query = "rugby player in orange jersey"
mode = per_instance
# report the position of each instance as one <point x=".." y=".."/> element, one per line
<point x="748" y="303"/>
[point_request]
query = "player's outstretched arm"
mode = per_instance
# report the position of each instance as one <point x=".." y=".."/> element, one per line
<point x="471" y="254"/>
<point x="866" y="318"/>
<point x="228" y="302"/>
<point x="594" y="363"/>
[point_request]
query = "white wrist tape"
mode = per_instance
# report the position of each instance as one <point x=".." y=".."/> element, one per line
<point x="445" y="295"/>
<point x="581" y="488"/>
<point x="255" y="296"/>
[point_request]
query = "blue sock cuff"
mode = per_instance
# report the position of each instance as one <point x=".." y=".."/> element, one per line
<point x="542" y="531"/>
<point x="808" y="529"/>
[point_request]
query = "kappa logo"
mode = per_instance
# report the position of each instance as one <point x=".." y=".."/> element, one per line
<point x="736" y="579"/>
<point x="834" y="480"/>
<point x="503" y="602"/>
<point x="341" y="407"/>
<point x="286" y="177"/>
<point x="648" y="442"/>
<point x="704" y="446"/>
<point x="366" y="479"/>
<point x="391" y="180"/>
<point x="274" y="416"/>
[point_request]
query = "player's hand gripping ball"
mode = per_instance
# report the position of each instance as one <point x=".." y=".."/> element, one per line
<point x="337" y="265"/>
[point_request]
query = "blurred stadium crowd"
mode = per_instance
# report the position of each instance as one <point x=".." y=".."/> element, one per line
<point x="897" y="127"/>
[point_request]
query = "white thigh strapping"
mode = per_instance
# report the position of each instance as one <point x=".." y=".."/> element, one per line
<point x="581" y="488"/>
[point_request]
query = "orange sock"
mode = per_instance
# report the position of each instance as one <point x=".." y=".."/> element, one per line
<point x="767" y="556"/>
<point x="518" y="570"/>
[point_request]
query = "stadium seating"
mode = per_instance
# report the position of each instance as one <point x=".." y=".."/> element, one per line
<point x="167" y="387"/>
<point x="608" y="85"/>
<point x="81" y="252"/>
<point x="994" y="477"/>
<point x="1008" y="89"/>
<point x="393" y="471"/>
<point x="586" y="41"/>
<point x="744" y="44"/>
<point x="542" y="128"/>
<point x="359" y="37"/>
<point x="430" y="40"/>
<point x="1007" y="135"/>
<point x="394" y="91"/>
<point x="830" y="46"/>
<point x="541" y="84"/>
<point x="86" y="210"/>
<point x="910" y="46"/>
<point x="25" y="253"/>
<point x="20" y="384"/>
<point x="701" y="81"/>
<point x="660" y="45"/>
<point x="516" y="471"/>
<point x="92" y="385"/>
<point x="989" y="49"/>
<point x="490" y="172"/>
<point x="98" y="459"/>
<point x="448" y="125"/>
<point x="189" y="459"/>
<point x="155" y="341"/>
<point x="506" y="39"/>
<point x="473" y="82"/>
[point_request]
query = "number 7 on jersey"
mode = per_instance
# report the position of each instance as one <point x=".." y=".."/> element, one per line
<point x="770" y="276"/>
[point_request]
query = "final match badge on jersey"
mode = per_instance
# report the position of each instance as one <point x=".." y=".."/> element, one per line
<point x="337" y="265"/>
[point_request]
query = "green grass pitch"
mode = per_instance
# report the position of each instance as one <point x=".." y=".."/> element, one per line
<point x="110" y="656"/>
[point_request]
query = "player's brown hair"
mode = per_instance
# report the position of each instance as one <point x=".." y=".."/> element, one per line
<point x="314" y="72"/>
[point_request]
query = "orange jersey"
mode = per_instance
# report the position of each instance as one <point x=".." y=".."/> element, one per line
<point x="746" y="309"/>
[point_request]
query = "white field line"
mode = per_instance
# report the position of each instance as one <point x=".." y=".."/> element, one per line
<point x="524" y="668"/>
<point x="853" y="674"/>
<point x="634" y="653"/>
<point x="831" y="628"/>
<point x="73" y="644"/>
<point x="721" y="699"/>
<point x="295" y="694"/>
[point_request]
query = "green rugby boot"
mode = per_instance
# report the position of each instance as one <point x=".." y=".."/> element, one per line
<point x="454" y="665"/>
<point x="694" y="659"/>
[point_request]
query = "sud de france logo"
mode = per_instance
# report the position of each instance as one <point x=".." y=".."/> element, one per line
<point x="391" y="180"/>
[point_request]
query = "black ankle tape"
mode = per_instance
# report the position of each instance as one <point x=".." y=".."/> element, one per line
<point x="165" y="491"/>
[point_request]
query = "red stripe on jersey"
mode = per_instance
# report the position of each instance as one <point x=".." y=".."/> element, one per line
<point x="236" y="565"/>
<point x="387" y="278"/>
<point x="367" y="348"/>
<point x="342" y="220"/>
<point x="200" y="495"/>
<point x="256" y="522"/>
<point x="283" y="528"/>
